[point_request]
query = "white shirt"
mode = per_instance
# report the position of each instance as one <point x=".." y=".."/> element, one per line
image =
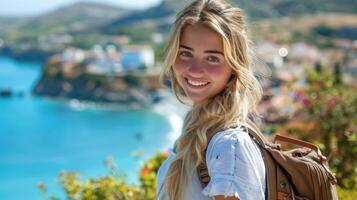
<point x="235" y="165"/>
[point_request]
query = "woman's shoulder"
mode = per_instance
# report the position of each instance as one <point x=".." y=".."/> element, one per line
<point x="232" y="142"/>
<point x="229" y="136"/>
<point x="234" y="161"/>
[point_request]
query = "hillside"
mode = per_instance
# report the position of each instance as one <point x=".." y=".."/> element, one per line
<point x="89" y="23"/>
<point x="257" y="9"/>
<point x="71" y="18"/>
<point x="8" y="23"/>
<point x="308" y="27"/>
<point x="161" y="16"/>
<point x="102" y="18"/>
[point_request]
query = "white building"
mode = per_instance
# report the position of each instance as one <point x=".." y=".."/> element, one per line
<point x="137" y="57"/>
<point x="54" y="41"/>
<point x="72" y="55"/>
<point x="304" y="51"/>
<point x="106" y="60"/>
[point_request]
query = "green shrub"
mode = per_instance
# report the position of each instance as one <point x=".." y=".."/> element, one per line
<point x="346" y="194"/>
<point x="327" y="114"/>
<point x="110" y="187"/>
<point x="148" y="174"/>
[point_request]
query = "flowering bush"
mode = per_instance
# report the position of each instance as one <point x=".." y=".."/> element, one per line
<point x="327" y="114"/>
<point x="110" y="187"/>
<point x="148" y="174"/>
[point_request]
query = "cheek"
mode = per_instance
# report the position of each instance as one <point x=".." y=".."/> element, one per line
<point x="219" y="72"/>
<point x="216" y="70"/>
<point x="179" y="67"/>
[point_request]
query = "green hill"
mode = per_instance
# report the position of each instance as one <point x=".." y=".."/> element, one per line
<point x="67" y="19"/>
<point x="88" y="22"/>
<point x="161" y="16"/>
<point x="102" y="18"/>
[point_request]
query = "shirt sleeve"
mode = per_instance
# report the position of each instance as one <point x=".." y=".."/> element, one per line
<point x="231" y="164"/>
<point x="161" y="174"/>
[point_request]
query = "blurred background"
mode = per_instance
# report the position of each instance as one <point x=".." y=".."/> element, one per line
<point x="83" y="115"/>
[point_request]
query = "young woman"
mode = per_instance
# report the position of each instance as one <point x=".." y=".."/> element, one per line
<point x="208" y="61"/>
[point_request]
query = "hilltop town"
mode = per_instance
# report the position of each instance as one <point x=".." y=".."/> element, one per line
<point x="118" y="60"/>
<point x="114" y="73"/>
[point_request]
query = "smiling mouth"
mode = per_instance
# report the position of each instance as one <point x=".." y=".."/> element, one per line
<point x="196" y="84"/>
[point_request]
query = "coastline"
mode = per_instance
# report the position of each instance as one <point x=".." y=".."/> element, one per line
<point x="175" y="112"/>
<point x="29" y="55"/>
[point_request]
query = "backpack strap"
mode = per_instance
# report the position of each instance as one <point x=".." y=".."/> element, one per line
<point x="258" y="137"/>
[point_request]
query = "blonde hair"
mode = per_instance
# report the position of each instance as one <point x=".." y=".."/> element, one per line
<point x="230" y="107"/>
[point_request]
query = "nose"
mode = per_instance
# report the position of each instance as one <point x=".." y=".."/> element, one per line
<point x="195" y="69"/>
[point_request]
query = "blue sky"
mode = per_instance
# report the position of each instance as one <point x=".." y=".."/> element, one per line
<point x="34" y="7"/>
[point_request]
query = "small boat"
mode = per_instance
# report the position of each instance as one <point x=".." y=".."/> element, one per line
<point x="5" y="92"/>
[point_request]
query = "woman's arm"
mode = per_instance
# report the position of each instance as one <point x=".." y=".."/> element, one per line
<point x="221" y="197"/>
<point x="233" y="174"/>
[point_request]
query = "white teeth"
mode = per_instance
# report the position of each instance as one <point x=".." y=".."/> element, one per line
<point x="196" y="83"/>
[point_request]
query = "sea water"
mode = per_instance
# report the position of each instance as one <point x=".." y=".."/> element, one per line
<point x="40" y="137"/>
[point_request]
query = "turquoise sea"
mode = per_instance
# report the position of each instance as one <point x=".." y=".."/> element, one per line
<point x="39" y="137"/>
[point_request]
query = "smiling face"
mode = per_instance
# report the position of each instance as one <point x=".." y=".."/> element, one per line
<point x="200" y="67"/>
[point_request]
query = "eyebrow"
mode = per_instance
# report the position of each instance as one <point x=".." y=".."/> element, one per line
<point x="207" y="51"/>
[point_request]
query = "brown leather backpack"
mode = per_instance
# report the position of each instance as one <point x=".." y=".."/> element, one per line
<point x="301" y="173"/>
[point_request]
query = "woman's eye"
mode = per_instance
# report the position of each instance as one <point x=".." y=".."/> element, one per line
<point x="185" y="54"/>
<point x="213" y="59"/>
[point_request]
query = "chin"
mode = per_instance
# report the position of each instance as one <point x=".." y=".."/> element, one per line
<point x="197" y="99"/>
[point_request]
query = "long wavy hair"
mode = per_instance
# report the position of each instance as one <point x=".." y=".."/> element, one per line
<point x="231" y="107"/>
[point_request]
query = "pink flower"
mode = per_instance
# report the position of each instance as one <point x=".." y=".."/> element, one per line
<point x="299" y="94"/>
<point x="331" y="102"/>
<point x="317" y="85"/>
<point x="306" y="102"/>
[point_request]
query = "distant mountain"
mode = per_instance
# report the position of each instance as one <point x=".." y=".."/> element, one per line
<point x="71" y="18"/>
<point x="258" y="9"/>
<point x="8" y="23"/>
<point x="87" y="17"/>
<point x="161" y="16"/>
<point x="158" y="17"/>
<point x="8" y="20"/>
<point x="95" y="18"/>
<point x="153" y="17"/>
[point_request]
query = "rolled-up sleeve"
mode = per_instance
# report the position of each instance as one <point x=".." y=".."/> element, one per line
<point x="231" y="162"/>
